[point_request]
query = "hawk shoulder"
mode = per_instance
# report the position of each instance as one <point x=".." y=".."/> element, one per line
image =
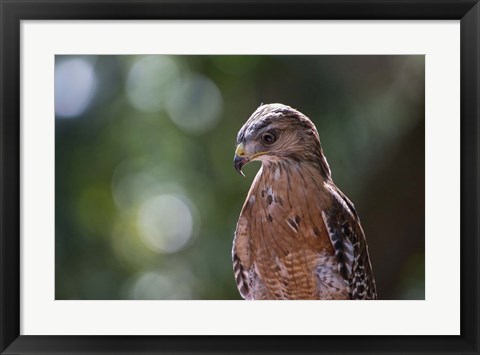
<point x="348" y="241"/>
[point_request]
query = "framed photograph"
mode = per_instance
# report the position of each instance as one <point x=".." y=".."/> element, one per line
<point x="239" y="177"/>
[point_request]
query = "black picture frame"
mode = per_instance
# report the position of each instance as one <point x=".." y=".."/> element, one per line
<point x="12" y="12"/>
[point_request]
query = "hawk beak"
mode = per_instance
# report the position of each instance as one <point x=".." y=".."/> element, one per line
<point x="240" y="159"/>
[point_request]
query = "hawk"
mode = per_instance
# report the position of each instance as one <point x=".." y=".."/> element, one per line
<point x="298" y="235"/>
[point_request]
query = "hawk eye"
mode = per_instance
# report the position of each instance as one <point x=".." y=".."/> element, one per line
<point x="268" y="138"/>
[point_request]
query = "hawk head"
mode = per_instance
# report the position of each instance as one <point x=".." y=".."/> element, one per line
<point x="278" y="132"/>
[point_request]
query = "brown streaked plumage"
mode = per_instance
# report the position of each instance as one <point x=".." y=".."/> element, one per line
<point x="298" y="235"/>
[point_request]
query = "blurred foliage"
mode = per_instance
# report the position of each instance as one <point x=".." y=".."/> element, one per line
<point x="146" y="195"/>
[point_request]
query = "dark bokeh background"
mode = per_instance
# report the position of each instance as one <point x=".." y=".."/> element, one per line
<point x="146" y="195"/>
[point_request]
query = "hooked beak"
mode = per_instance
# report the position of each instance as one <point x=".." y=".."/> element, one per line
<point x="240" y="159"/>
